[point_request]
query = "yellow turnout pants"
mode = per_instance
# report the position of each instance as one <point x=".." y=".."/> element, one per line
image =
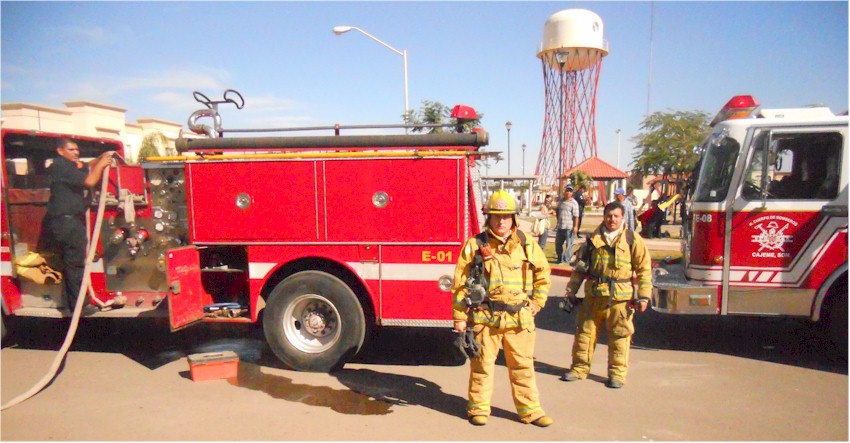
<point x="593" y="314"/>
<point x="519" y="349"/>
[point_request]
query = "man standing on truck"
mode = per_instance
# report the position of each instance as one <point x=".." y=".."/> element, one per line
<point x="607" y="261"/>
<point x="494" y="274"/>
<point x="69" y="177"/>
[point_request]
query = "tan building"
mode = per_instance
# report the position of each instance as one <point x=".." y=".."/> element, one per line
<point x="93" y="120"/>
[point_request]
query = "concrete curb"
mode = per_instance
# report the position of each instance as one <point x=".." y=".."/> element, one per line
<point x="562" y="272"/>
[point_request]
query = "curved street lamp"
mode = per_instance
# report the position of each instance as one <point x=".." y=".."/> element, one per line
<point x="339" y="30"/>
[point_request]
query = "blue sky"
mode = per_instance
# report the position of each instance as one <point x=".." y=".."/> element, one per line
<point x="148" y="57"/>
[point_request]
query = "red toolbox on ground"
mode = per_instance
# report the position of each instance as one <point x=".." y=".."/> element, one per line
<point x="213" y="365"/>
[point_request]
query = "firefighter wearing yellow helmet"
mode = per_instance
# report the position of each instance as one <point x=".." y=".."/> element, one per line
<point x="512" y="276"/>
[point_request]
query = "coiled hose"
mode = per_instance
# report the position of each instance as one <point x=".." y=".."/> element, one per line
<point x="78" y="308"/>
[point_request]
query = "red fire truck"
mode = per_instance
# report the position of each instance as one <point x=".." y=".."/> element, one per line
<point x="766" y="227"/>
<point x="318" y="237"/>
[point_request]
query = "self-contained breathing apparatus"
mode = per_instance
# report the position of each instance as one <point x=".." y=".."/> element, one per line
<point x="583" y="258"/>
<point x="478" y="295"/>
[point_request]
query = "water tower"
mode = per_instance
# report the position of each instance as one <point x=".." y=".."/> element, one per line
<point x="571" y="52"/>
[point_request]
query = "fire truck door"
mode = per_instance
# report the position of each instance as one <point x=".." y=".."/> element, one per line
<point x="186" y="294"/>
<point x="778" y="228"/>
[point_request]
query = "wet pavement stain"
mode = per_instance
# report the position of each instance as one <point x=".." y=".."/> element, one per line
<point x="339" y="400"/>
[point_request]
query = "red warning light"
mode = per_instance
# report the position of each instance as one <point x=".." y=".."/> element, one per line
<point x="740" y="106"/>
<point x="742" y="101"/>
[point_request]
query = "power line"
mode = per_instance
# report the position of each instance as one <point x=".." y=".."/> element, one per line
<point x="651" y="27"/>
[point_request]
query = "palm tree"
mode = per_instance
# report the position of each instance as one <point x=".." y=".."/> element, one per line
<point x="579" y="178"/>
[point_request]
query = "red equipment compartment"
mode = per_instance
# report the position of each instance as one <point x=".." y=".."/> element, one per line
<point x="279" y="201"/>
<point x="409" y="281"/>
<point x="424" y="200"/>
<point x="187" y="298"/>
<point x="213" y="366"/>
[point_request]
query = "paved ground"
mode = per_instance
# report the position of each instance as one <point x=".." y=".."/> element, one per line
<point x="691" y="378"/>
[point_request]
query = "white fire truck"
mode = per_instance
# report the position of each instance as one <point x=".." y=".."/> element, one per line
<point x="766" y="227"/>
<point x="318" y="237"/>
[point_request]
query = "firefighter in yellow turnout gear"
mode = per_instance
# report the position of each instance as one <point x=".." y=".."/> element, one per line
<point x="615" y="255"/>
<point x="506" y="317"/>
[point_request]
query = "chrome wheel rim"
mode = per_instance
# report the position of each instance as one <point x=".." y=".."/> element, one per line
<point x="311" y="323"/>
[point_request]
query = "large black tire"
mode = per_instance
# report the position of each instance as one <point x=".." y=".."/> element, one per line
<point x="6" y="335"/>
<point x="313" y="322"/>
<point x="836" y="320"/>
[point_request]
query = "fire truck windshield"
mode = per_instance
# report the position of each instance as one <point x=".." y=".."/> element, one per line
<point x="718" y="164"/>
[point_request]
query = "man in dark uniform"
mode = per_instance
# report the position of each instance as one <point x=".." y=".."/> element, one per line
<point x="581" y="199"/>
<point x="69" y="177"/>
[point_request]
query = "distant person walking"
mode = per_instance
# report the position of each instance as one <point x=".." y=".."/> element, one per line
<point x="628" y="209"/>
<point x="568" y="215"/>
<point x="546" y="211"/>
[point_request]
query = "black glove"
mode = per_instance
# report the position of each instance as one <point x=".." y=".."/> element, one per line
<point x="569" y="303"/>
<point x="466" y="343"/>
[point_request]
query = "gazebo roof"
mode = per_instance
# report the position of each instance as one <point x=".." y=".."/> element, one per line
<point x="598" y="169"/>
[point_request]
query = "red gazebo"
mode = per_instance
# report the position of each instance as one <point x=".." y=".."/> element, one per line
<point x="601" y="171"/>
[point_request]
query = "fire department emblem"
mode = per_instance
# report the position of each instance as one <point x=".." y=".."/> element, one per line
<point x="500" y="204"/>
<point x="772" y="237"/>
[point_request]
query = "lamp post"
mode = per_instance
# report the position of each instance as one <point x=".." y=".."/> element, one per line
<point x="561" y="58"/>
<point x="508" y="127"/>
<point x="618" y="148"/>
<point x="523" y="159"/>
<point x="339" y="30"/>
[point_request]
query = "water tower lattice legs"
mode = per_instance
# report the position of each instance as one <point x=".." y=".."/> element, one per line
<point x="569" y="124"/>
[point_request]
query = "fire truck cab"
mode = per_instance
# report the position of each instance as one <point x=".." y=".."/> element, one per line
<point x="318" y="237"/>
<point x="766" y="225"/>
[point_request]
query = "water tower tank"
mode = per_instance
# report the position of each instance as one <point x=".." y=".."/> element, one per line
<point x="576" y="38"/>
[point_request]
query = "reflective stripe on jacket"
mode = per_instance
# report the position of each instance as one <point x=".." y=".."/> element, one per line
<point x="511" y="280"/>
<point x="617" y="263"/>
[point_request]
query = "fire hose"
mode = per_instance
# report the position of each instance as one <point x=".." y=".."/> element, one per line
<point x="78" y="308"/>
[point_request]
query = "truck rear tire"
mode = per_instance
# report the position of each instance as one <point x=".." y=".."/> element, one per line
<point x="6" y="335"/>
<point x="837" y="321"/>
<point x="313" y="322"/>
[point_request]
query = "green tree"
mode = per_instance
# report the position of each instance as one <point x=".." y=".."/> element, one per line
<point x="151" y="144"/>
<point x="668" y="142"/>
<point x="432" y="112"/>
<point x="578" y="178"/>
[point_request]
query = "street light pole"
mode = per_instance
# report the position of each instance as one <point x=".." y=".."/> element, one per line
<point x="561" y="58"/>
<point x="339" y="30"/>
<point x="508" y="127"/>
<point x="618" y="148"/>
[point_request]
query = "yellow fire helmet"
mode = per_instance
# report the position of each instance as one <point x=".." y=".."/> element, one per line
<point x="501" y="202"/>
